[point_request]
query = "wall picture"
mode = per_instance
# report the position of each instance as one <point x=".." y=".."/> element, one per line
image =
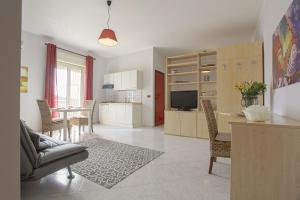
<point x="24" y="80"/>
<point x="286" y="48"/>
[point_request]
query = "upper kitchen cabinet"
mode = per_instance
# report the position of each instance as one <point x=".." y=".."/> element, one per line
<point x="127" y="80"/>
<point x="109" y="79"/>
<point x="131" y="80"/>
<point x="117" y="81"/>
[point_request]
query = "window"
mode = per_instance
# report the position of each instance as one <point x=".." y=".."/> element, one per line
<point x="70" y="79"/>
<point x="69" y="85"/>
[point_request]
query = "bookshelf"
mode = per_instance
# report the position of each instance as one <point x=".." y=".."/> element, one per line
<point x="195" y="71"/>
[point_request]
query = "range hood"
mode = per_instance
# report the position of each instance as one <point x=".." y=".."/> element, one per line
<point x="108" y="86"/>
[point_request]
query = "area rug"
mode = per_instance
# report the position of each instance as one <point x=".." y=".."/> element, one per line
<point x="110" y="162"/>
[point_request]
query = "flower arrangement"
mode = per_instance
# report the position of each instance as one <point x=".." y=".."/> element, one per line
<point x="251" y="88"/>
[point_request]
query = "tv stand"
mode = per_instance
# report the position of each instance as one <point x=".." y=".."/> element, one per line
<point x="186" y="123"/>
<point x="184" y="109"/>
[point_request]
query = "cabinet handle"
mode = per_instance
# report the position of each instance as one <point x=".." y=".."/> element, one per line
<point x="239" y="65"/>
<point x="224" y="66"/>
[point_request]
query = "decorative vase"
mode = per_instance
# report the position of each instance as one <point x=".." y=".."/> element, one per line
<point x="249" y="100"/>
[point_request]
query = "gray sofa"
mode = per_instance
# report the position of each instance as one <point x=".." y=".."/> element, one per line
<point x="42" y="155"/>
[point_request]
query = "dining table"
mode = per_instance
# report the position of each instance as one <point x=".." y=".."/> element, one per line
<point x="65" y="112"/>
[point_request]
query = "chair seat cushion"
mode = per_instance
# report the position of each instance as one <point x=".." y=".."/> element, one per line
<point x="60" y="122"/>
<point x="80" y="117"/>
<point x="224" y="137"/>
<point x="82" y="120"/>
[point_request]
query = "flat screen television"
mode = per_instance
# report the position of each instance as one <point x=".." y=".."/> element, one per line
<point x="184" y="100"/>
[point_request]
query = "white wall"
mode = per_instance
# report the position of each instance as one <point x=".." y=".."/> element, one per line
<point x="159" y="60"/>
<point x="284" y="101"/>
<point x="100" y="68"/>
<point x="33" y="55"/>
<point x="143" y="61"/>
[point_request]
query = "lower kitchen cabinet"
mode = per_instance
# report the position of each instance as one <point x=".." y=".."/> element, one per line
<point x="121" y="114"/>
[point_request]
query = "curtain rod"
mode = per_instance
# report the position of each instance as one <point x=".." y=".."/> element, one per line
<point x="70" y="51"/>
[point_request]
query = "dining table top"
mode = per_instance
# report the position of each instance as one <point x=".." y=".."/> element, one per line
<point x="71" y="109"/>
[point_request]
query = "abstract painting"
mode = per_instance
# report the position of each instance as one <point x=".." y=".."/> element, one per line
<point x="286" y="48"/>
<point x="24" y="80"/>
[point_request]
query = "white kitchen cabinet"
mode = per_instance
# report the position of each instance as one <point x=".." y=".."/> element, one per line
<point x="109" y="79"/>
<point x="127" y="80"/>
<point x="104" y="110"/>
<point x="131" y="80"/>
<point x="121" y="114"/>
<point x="117" y="80"/>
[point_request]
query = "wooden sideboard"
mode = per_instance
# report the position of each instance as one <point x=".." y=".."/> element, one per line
<point x="265" y="159"/>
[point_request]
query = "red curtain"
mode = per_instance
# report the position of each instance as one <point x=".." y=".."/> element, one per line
<point x="50" y="80"/>
<point x="88" y="94"/>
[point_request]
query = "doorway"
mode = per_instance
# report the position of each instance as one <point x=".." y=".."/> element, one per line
<point x="159" y="97"/>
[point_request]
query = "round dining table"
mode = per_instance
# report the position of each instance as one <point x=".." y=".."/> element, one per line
<point x="65" y="112"/>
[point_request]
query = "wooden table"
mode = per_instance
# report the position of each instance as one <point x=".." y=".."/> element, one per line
<point x="265" y="159"/>
<point x="74" y="109"/>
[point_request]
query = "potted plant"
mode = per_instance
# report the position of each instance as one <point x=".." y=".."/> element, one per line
<point x="250" y="90"/>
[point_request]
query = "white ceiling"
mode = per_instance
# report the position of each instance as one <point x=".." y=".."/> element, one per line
<point x="167" y="24"/>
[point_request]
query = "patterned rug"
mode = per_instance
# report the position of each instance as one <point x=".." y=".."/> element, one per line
<point x="110" y="162"/>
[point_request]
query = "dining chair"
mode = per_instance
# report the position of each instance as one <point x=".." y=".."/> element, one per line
<point x="82" y="119"/>
<point x="48" y="123"/>
<point x="220" y="143"/>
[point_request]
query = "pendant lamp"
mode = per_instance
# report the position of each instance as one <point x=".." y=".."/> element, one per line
<point x="108" y="36"/>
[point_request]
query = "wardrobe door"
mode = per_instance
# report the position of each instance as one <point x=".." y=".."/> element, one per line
<point x="225" y="85"/>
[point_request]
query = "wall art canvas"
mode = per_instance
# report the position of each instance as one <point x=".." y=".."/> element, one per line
<point x="286" y="48"/>
<point x="24" y="80"/>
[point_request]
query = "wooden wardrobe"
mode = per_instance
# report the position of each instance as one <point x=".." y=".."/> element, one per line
<point x="236" y="64"/>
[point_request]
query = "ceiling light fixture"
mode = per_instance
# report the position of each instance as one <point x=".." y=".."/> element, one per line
<point x="108" y="36"/>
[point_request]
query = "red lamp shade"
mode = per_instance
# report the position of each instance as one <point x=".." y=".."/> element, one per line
<point x="108" y="38"/>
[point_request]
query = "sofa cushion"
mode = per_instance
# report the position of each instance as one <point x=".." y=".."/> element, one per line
<point x="28" y="146"/>
<point x="48" y="142"/>
<point x="59" y="151"/>
<point x="35" y="137"/>
<point x="26" y="166"/>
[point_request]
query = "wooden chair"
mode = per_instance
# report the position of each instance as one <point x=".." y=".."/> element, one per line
<point x="220" y="143"/>
<point x="82" y="120"/>
<point x="49" y="124"/>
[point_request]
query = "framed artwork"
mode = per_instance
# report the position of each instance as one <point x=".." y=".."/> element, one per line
<point x="24" y="80"/>
<point x="286" y="48"/>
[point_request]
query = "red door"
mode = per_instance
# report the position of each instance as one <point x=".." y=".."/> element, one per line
<point x="159" y="97"/>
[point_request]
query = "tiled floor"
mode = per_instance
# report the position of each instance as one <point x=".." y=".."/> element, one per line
<point x="179" y="174"/>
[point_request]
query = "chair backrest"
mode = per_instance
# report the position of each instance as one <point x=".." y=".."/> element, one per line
<point x="45" y="112"/>
<point x="210" y="118"/>
<point x="89" y="104"/>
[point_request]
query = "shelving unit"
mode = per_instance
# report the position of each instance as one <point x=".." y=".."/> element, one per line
<point x="185" y="83"/>
<point x="184" y="64"/>
<point x="195" y="71"/>
<point x="208" y="82"/>
<point x="183" y="73"/>
<point x="213" y="75"/>
<point x="208" y="97"/>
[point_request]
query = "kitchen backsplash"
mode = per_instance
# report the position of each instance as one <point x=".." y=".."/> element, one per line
<point x="123" y="96"/>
